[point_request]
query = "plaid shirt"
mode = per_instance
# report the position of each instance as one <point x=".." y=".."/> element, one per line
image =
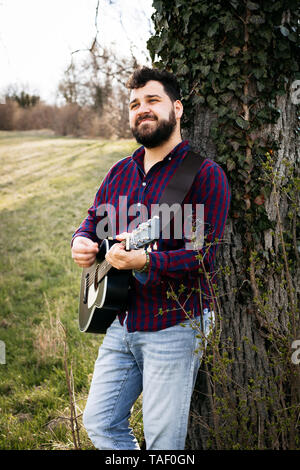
<point x="172" y="267"/>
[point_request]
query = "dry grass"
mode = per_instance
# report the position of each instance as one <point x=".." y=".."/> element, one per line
<point x="46" y="186"/>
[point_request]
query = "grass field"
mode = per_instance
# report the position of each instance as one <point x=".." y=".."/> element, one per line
<point x="46" y="185"/>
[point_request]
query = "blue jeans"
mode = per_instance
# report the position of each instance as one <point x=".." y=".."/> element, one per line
<point x="161" y="364"/>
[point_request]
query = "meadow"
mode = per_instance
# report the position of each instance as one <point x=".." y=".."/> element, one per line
<point x="46" y="186"/>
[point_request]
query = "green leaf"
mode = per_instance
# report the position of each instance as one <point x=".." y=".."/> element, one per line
<point x="292" y="37"/>
<point x="212" y="101"/>
<point x="212" y="29"/>
<point x="183" y="70"/>
<point x="234" y="4"/>
<point x="178" y="47"/>
<point x="257" y="19"/>
<point x="235" y="69"/>
<point x="252" y="5"/>
<point x="232" y="85"/>
<point x="229" y="25"/>
<point x="204" y="69"/>
<point x="242" y="123"/>
<point x="158" y="6"/>
<point x="230" y="165"/>
<point x="198" y="99"/>
<point x="226" y="97"/>
<point x="258" y="73"/>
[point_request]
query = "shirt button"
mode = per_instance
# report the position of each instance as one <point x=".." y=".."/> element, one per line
<point x="144" y="184"/>
<point x="170" y="158"/>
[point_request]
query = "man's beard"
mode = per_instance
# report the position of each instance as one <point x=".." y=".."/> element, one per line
<point x="155" y="138"/>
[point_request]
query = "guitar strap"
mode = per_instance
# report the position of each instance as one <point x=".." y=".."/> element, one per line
<point x="180" y="184"/>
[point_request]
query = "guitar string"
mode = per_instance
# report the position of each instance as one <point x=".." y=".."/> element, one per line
<point x="102" y="268"/>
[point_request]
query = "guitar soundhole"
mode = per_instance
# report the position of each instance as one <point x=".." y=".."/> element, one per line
<point x="86" y="288"/>
<point x="96" y="277"/>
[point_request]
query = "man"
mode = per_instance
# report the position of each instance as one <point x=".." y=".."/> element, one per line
<point x="146" y="349"/>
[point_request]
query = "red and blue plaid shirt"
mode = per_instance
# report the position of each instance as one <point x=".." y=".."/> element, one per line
<point x="172" y="267"/>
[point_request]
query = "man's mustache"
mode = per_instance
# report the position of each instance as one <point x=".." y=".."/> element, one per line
<point x="146" y="116"/>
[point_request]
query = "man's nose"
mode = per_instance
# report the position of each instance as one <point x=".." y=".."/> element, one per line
<point x="143" y="108"/>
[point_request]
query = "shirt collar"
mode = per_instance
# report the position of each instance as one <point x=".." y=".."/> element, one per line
<point x="178" y="151"/>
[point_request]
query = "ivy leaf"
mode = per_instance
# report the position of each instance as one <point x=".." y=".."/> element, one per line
<point x="184" y="70"/>
<point x="229" y="25"/>
<point x="178" y="47"/>
<point x="226" y="97"/>
<point x="235" y="145"/>
<point x="222" y="111"/>
<point x="258" y="73"/>
<point x="198" y="99"/>
<point x="257" y="19"/>
<point x="158" y="5"/>
<point x="186" y="19"/>
<point x="234" y="51"/>
<point x="293" y="37"/>
<point x="204" y="69"/>
<point x="232" y="85"/>
<point x="234" y="4"/>
<point x="242" y="123"/>
<point x="252" y="5"/>
<point x="212" y="101"/>
<point x="230" y="164"/>
<point x="235" y="69"/>
<point x="212" y="29"/>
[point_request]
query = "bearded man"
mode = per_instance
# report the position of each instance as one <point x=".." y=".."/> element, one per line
<point x="146" y="349"/>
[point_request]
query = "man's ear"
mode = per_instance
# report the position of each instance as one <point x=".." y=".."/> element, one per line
<point x="178" y="109"/>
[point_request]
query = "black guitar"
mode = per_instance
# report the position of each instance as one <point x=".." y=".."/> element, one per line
<point x="104" y="289"/>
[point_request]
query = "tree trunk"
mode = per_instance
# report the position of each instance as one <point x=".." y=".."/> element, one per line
<point x="247" y="393"/>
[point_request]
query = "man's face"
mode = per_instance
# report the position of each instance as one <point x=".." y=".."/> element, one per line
<point x="152" y="115"/>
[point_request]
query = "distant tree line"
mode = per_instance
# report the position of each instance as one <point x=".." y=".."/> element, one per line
<point x="94" y="100"/>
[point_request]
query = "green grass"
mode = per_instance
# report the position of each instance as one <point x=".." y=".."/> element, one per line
<point x="46" y="186"/>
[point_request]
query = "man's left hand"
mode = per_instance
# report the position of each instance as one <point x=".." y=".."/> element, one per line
<point x="119" y="258"/>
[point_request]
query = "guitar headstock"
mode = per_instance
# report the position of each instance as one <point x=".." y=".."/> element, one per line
<point x="144" y="234"/>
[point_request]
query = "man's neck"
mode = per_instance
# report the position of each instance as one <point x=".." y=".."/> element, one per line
<point x="157" y="154"/>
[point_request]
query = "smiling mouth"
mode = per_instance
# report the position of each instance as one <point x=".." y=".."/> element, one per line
<point x="146" y="119"/>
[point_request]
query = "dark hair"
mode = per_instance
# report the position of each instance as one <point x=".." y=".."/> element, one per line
<point x="142" y="75"/>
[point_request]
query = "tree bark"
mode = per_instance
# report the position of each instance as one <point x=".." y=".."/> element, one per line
<point x="249" y="407"/>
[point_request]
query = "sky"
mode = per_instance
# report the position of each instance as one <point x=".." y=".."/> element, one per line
<point x="37" y="37"/>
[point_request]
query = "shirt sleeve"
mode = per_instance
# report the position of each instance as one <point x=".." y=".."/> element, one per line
<point x="211" y="189"/>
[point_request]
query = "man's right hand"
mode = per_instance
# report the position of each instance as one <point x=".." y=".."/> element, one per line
<point x="84" y="251"/>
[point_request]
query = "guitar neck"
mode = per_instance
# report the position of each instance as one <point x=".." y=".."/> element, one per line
<point x="104" y="268"/>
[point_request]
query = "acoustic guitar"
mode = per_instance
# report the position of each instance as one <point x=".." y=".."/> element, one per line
<point x="104" y="289"/>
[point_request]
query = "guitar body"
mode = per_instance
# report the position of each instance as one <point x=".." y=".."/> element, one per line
<point x="101" y="302"/>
